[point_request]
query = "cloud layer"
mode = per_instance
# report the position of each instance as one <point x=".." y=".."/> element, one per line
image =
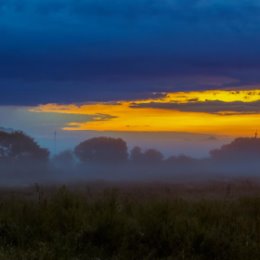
<point x="221" y="112"/>
<point x="74" y="51"/>
<point x="212" y="107"/>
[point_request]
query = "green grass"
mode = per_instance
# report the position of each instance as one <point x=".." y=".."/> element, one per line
<point x="74" y="225"/>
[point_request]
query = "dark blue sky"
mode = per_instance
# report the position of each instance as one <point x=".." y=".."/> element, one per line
<point x="74" y="51"/>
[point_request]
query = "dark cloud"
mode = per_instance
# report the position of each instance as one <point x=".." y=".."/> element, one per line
<point x="213" y="107"/>
<point x="194" y="10"/>
<point x="66" y="50"/>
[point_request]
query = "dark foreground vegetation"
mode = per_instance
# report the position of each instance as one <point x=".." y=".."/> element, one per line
<point x="137" y="222"/>
<point x="131" y="219"/>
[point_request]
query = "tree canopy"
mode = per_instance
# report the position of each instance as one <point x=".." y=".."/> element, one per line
<point x="241" y="149"/>
<point x="19" y="146"/>
<point x="102" y="149"/>
<point x="148" y="156"/>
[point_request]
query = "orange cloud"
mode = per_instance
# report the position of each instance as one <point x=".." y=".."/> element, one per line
<point x="135" y="116"/>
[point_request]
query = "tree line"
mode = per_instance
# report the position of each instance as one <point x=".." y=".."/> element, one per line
<point x="16" y="146"/>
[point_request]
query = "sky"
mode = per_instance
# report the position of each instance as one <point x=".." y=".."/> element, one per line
<point x="164" y="73"/>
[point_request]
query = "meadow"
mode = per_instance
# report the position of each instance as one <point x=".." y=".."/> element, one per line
<point x="216" y="220"/>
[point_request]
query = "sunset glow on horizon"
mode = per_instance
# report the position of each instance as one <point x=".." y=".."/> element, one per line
<point x="220" y="112"/>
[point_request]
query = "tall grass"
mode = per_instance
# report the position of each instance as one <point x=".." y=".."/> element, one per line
<point x="71" y="225"/>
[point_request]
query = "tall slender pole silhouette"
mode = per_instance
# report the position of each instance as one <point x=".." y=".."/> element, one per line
<point x="55" y="142"/>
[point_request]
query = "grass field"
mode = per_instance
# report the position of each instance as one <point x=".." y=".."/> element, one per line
<point x="150" y="221"/>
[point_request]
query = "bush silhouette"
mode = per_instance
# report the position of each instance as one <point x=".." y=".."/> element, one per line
<point x="64" y="159"/>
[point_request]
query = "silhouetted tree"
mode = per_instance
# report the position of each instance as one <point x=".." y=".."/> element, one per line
<point x="241" y="149"/>
<point x="17" y="146"/>
<point x="148" y="156"/>
<point x="102" y="149"/>
<point x="152" y="156"/>
<point x="64" y="159"/>
<point x="136" y="154"/>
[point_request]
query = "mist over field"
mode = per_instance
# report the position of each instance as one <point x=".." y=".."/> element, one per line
<point x="24" y="162"/>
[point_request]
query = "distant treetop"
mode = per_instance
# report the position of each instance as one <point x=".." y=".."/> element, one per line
<point x="19" y="146"/>
<point x="102" y="149"/>
<point x="240" y="149"/>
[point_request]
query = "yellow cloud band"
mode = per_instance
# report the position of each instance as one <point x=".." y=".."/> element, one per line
<point x="141" y="115"/>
